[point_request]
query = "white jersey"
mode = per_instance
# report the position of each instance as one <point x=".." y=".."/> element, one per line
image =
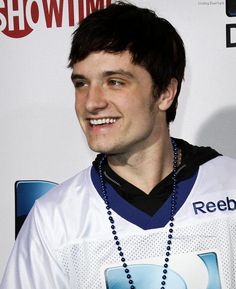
<point x="66" y="241"/>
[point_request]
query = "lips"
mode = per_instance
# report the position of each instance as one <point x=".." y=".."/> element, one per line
<point x="101" y="121"/>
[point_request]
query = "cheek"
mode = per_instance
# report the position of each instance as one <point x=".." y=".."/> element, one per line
<point x="146" y="107"/>
<point x="79" y="105"/>
<point x="149" y="113"/>
<point x="78" y="112"/>
<point x="77" y="108"/>
<point x="79" y="115"/>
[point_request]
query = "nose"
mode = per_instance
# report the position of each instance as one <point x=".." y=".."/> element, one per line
<point x="96" y="98"/>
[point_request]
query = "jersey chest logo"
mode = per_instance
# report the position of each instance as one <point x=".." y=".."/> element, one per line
<point x="148" y="276"/>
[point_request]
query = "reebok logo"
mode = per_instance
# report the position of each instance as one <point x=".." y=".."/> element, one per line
<point x="201" y="207"/>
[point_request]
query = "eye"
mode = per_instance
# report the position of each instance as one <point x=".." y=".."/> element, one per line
<point x="116" y="82"/>
<point x="79" y="83"/>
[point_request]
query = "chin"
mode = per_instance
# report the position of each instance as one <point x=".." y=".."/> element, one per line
<point x="104" y="149"/>
<point x="99" y="149"/>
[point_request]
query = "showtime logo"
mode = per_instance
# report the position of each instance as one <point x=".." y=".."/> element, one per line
<point x="18" y="18"/>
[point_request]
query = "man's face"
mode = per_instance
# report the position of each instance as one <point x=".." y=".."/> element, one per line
<point x="114" y="103"/>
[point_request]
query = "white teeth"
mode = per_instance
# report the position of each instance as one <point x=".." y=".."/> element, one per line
<point x="102" y="121"/>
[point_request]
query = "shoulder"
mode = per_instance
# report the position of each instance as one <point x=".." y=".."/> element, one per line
<point x="214" y="192"/>
<point x="69" y="189"/>
<point x="217" y="175"/>
<point x="59" y="215"/>
<point x="220" y="167"/>
<point x="221" y="161"/>
<point x="69" y="196"/>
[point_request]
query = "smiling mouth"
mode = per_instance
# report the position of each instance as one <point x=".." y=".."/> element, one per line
<point x="102" y="121"/>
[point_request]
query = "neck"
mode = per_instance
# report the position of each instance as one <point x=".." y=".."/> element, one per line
<point x="145" y="169"/>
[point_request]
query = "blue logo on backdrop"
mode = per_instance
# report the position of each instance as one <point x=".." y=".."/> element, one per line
<point x="148" y="276"/>
<point x="27" y="191"/>
<point x="230" y="28"/>
<point x="231" y="8"/>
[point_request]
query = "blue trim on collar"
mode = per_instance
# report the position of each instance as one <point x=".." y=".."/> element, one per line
<point x="135" y="215"/>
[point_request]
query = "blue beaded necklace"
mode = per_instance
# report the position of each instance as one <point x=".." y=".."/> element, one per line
<point x="171" y="222"/>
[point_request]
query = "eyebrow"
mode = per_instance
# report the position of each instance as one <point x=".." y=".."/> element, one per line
<point x="119" y="72"/>
<point x="122" y="72"/>
<point x="77" y="76"/>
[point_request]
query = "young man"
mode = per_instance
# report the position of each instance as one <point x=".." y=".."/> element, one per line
<point x="152" y="211"/>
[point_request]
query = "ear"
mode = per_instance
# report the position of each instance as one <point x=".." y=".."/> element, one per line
<point x="166" y="98"/>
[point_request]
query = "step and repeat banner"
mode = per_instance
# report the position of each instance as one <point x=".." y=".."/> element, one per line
<point x="40" y="135"/>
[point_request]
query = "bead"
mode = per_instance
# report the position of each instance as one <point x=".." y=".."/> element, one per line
<point x="164" y="277"/>
<point x="172" y="213"/>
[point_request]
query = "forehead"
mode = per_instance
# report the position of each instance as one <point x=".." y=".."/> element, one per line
<point x="100" y="62"/>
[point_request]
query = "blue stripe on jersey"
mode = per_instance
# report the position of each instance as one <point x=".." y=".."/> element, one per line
<point x="135" y="215"/>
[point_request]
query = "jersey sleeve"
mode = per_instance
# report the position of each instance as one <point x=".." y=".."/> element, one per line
<point x="32" y="264"/>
